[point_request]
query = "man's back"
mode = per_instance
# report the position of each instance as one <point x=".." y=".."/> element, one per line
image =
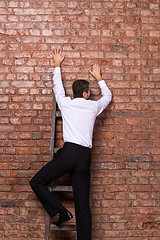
<point x="78" y="120"/>
<point x="79" y="114"/>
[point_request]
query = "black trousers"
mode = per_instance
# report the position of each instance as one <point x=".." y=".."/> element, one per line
<point x="75" y="159"/>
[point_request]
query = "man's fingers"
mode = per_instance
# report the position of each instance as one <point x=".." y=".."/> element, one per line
<point x="96" y="66"/>
<point x="58" y="51"/>
<point x="91" y="72"/>
<point x="62" y="56"/>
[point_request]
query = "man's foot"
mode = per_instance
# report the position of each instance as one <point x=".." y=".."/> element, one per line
<point x="63" y="217"/>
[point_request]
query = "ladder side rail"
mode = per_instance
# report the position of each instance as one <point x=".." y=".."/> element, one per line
<point x="53" y="126"/>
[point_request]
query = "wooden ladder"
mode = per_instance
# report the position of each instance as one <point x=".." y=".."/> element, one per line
<point x="49" y="226"/>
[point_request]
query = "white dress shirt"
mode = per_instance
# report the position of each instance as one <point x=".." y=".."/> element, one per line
<point x="79" y="114"/>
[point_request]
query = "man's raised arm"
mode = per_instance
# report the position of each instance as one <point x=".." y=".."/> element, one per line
<point x="106" y="93"/>
<point x="57" y="79"/>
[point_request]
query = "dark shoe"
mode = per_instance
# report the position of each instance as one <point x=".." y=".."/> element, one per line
<point x="64" y="217"/>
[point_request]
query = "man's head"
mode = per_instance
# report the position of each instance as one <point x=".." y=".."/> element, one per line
<point x="81" y="89"/>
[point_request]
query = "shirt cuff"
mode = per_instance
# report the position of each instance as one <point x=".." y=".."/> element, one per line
<point x="102" y="83"/>
<point x="57" y="69"/>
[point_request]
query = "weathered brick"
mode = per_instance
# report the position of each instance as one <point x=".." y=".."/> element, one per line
<point x="15" y="121"/>
<point x="123" y="37"/>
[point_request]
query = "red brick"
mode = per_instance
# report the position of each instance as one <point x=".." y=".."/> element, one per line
<point x="37" y="106"/>
<point x="108" y="135"/>
<point x="22" y="98"/>
<point x="23" y="69"/>
<point x="15" y="121"/>
<point x="26" y="120"/>
<point x="133" y="121"/>
<point x="10" y="91"/>
<point x="125" y="154"/>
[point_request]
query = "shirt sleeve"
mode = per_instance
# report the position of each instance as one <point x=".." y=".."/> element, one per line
<point x="103" y="102"/>
<point x="58" y="86"/>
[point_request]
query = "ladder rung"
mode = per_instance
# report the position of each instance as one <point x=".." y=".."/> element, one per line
<point x="63" y="228"/>
<point x="61" y="188"/>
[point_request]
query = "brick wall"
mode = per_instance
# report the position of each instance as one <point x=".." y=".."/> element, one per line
<point x="123" y="37"/>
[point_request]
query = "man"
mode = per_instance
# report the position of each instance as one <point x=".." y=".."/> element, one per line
<point x="78" y="116"/>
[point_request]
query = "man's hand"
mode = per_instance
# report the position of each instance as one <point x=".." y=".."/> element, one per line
<point x="96" y="72"/>
<point x="58" y="57"/>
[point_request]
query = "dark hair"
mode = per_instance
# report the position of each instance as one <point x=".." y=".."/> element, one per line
<point x="79" y="87"/>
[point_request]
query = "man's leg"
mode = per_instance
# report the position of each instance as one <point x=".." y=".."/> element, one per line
<point x="47" y="174"/>
<point x="80" y="177"/>
<point x="81" y="188"/>
<point x="39" y="183"/>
